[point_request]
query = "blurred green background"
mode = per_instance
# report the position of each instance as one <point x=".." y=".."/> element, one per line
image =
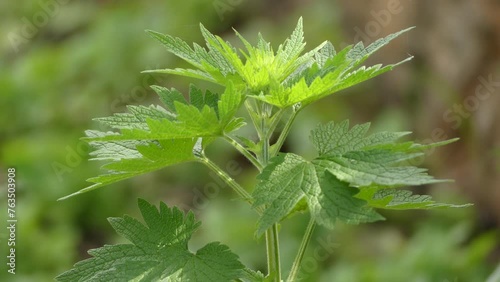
<point x="65" y="62"/>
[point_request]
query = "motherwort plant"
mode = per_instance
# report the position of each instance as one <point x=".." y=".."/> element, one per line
<point x="354" y="173"/>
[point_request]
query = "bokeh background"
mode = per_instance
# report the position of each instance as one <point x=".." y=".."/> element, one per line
<point x="64" y="62"/>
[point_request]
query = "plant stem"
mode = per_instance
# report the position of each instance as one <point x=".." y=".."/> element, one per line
<point x="244" y="152"/>
<point x="254" y="116"/>
<point x="302" y="249"/>
<point x="272" y="239"/>
<point x="229" y="181"/>
<point x="275" y="121"/>
<point x="285" y="131"/>
<point x="273" y="253"/>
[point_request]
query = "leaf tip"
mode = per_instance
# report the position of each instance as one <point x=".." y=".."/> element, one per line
<point x="69" y="196"/>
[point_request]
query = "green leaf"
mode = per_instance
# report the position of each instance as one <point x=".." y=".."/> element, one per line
<point x="254" y="276"/>
<point x="178" y="47"/>
<point x="289" y="178"/>
<point x="282" y="78"/>
<point x="202" y="75"/>
<point x="293" y="46"/>
<point x="221" y="62"/>
<point x="382" y="198"/>
<point x="146" y="157"/>
<point x="205" y="116"/>
<point x="212" y="65"/>
<point x="337" y="184"/>
<point x="223" y="54"/>
<point x="328" y="73"/>
<point x="169" y="97"/>
<point x="153" y="137"/>
<point x="113" y="150"/>
<point x="334" y="200"/>
<point x="158" y="251"/>
<point x="282" y="184"/>
<point x="137" y="117"/>
<point x="362" y="161"/>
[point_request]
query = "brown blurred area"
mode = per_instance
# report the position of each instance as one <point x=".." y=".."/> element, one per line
<point x="454" y="80"/>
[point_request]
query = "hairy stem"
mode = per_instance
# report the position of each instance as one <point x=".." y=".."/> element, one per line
<point x="273" y="253"/>
<point x="302" y="249"/>
<point x="276" y="120"/>
<point x="244" y="152"/>
<point x="285" y="131"/>
<point x="254" y="116"/>
<point x="272" y="239"/>
<point x="229" y="181"/>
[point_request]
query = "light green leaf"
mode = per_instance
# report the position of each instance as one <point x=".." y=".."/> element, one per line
<point x="362" y="161"/>
<point x="326" y="75"/>
<point x="153" y="137"/>
<point x="230" y="101"/>
<point x="222" y="52"/>
<point x="169" y="96"/>
<point x="143" y="159"/>
<point x="383" y="198"/>
<point x="114" y="150"/>
<point x="187" y="73"/>
<point x="284" y="78"/>
<point x="359" y="54"/>
<point x="207" y="116"/>
<point x="158" y="251"/>
<point x="177" y="46"/>
<point x="222" y="63"/>
<point x="137" y="117"/>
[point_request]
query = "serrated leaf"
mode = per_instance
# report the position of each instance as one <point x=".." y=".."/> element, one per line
<point x="153" y="137"/>
<point x="395" y="199"/>
<point x="335" y="183"/>
<point x="137" y="117"/>
<point x="282" y="184"/>
<point x="196" y="97"/>
<point x="293" y="46"/>
<point x="202" y="75"/>
<point x="169" y="96"/>
<point x="146" y="157"/>
<point x="360" y="54"/>
<point x="158" y="251"/>
<point x="326" y="52"/>
<point x="230" y="101"/>
<point x="222" y="64"/>
<point x="362" y="161"/>
<point x="112" y="150"/>
<point x="207" y="116"/>
<point x="284" y="78"/>
<point x="335" y="201"/>
<point x="328" y="75"/>
<point x="223" y="55"/>
<point x="254" y="276"/>
<point x="177" y="46"/>
<point x="289" y="178"/>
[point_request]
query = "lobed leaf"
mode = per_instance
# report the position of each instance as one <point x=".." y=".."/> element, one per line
<point x="379" y="197"/>
<point x="353" y="174"/>
<point x="153" y="137"/>
<point x="282" y="184"/>
<point x="289" y="179"/>
<point x="141" y="160"/>
<point x="158" y="251"/>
